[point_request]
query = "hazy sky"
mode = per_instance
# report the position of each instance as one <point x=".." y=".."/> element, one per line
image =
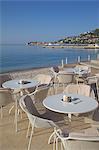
<point x="24" y="21"/>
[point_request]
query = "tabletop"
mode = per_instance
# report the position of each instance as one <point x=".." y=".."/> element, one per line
<point x="77" y="71"/>
<point x="79" y="104"/>
<point x="67" y="70"/>
<point x="80" y="71"/>
<point x="20" y="84"/>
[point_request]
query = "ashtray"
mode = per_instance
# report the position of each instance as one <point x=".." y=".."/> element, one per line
<point x="74" y="98"/>
<point x="24" y="82"/>
<point x="69" y="99"/>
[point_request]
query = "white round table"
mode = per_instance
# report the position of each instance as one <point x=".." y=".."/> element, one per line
<point x="75" y="71"/>
<point x="17" y="84"/>
<point x="80" y="72"/>
<point x="81" y="105"/>
<point x="67" y="70"/>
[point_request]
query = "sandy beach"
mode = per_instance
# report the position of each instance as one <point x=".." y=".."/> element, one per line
<point x="30" y="73"/>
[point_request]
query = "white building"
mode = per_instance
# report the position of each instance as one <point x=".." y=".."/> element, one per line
<point x="96" y="45"/>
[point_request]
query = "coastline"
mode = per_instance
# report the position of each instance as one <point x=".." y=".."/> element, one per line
<point x="31" y="57"/>
<point x="21" y="70"/>
<point x="32" y="69"/>
<point x="31" y="73"/>
<point x="21" y="74"/>
<point x="26" y="73"/>
<point x="35" y="69"/>
<point x="71" y="46"/>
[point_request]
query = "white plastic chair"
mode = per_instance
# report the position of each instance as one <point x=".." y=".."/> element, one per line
<point x="37" y="120"/>
<point x="10" y="96"/>
<point x="71" y="88"/>
<point x="44" y="80"/>
<point x="81" y="72"/>
<point x="39" y="95"/>
<point x="81" y="89"/>
<point x="65" y="79"/>
<point x="5" y="98"/>
<point x="85" y="135"/>
<point x="93" y="82"/>
<point x="54" y="72"/>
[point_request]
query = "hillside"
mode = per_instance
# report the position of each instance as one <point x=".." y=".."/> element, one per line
<point x="84" y="38"/>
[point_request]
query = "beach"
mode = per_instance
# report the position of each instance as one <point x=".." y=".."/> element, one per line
<point x="31" y="73"/>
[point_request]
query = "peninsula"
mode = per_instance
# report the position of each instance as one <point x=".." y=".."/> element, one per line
<point x="88" y="40"/>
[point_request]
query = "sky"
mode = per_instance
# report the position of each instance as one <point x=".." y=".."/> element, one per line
<point x="22" y="21"/>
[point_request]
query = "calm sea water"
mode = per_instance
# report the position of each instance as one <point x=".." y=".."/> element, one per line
<point x="18" y="57"/>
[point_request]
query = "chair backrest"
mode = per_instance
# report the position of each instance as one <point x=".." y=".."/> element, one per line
<point x="27" y="105"/>
<point x="41" y="93"/>
<point x="5" y="96"/>
<point x="87" y="134"/>
<point x="93" y="82"/>
<point x="43" y="78"/>
<point x="28" y="90"/>
<point x="65" y="78"/>
<point x="82" y="136"/>
<point x="54" y="72"/>
<point x="4" y="78"/>
<point x="81" y="89"/>
<point x="84" y="89"/>
<point x="97" y="75"/>
<point x="71" y="88"/>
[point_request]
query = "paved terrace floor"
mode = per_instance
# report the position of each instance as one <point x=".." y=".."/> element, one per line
<point x="10" y="140"/>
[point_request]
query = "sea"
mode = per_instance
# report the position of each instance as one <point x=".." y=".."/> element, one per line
<point x="20" y="57"/>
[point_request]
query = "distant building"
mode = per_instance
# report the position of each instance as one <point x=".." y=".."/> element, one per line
<point x="96" y="45"/>
<point x="49" y="44"/>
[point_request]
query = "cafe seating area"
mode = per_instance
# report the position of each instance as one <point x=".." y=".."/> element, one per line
<point x="55" y="110"/>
